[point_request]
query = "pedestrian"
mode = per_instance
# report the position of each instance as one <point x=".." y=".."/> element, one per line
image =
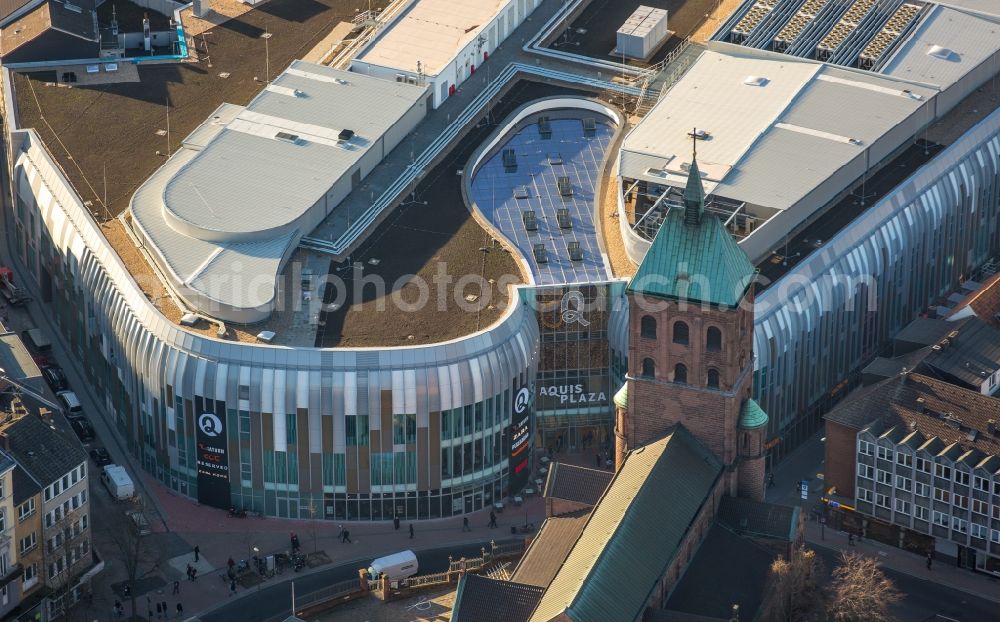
<point x="598" y="457"/>
<point x="127" y="590"/>
<point x="340" y="534"/>
<point x="197" y="553"/>
<point x="411" y="531"/>
<point x="345" y="536"/>
<point x="149" y="607"/>
<point x="850" y="539"/>
<point x="180" y="610"/>
<point x="465" y="524"/>
<point x="295" y="541"/>
<point x="929" y="560"/>
<point x="177" y="587"/>
<point x="493" y="520"/>
<point x="119" y="610"/>
<point x="189" y="569"/>
<point x="395" y="522"/>
<point x="232" y="587"/>
<point x="159" y="611"/>
<point x="231" y="563"/>
<point x="194" y="574"/>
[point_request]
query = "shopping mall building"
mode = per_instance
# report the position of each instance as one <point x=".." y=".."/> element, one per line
<point x="230" y="395"/>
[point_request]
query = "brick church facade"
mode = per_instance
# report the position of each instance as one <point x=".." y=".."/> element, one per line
<point x="691" y="345"/>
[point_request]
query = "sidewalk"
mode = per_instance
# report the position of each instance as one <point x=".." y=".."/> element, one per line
<point x="220" y="537"/>
<point x="807" y="463"/>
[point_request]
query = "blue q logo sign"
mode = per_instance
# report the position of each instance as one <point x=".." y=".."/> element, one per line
<point x="571" y="308"/>
<point x="209" y="424"/>
<point x="521" y="401"/>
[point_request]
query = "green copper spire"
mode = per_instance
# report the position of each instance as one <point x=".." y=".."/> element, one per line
<point x="694" y="192"/>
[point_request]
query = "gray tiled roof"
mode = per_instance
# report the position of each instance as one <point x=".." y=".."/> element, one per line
<point x="756" y="518"/>
<point x="24" y="486"/>
<point x="43" y="452"/>
<point x="576" y="483"/>
<point x="970" y="357"/>
<point x="548" y="551"/>
<point x="481" y="599"/>
<point x="727" y="570"/>
<point x="633" y="532"/>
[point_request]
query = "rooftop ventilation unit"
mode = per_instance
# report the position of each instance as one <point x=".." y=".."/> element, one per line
<point x="754" y="81"/>
<point x="575" y="252"/>
<point x="522" y="192"/>
<point x="555" y="158"/>
<point x="544" y="127"/>
<point x="589" y="125"/>
<point x="267" y="336"/>
<point x="529" y="220"/>
<point x="189" y="319"/>
<point x="565" y="187"/>
<point x="562" y="217"/>
<point x="287" y="137"/>
<point x="699" y="134"/>
<point x="541" y="255"/>
<point x="345" y="135"/>
<point x="509" y="160"/>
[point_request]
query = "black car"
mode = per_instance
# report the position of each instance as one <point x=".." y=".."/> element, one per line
<point x="83" y="429"/>
<point x="55" y="377"/>
<point x="101" y="457"/>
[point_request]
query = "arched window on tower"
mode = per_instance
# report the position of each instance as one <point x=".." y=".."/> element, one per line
<point x="713" y="339"/>
<point x="680" y="373"/>
<point x="647" y="327"/>
<point x="713" y="379"/>
<point x="680" y="333"/>
<point x="648" y="368"/>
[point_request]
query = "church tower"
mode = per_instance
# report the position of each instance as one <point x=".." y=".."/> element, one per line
<point x="691" y="344"/>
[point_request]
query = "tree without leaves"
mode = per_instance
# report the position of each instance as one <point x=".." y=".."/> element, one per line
<point x="792" y="594"/>
<point x="860" y="591"/>
<point x="137" y="556"/>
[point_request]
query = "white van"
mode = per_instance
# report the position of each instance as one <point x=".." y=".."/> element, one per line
<point x="117" y="481"/>
<point x="74" y="409"/>
<point x="396" y="566"/>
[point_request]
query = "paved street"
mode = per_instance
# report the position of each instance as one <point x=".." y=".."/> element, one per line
<point x="954" y="592"/>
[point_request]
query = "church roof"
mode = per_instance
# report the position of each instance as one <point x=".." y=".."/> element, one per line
<point x="693" y="257"/>
<point x="752" y="415"/>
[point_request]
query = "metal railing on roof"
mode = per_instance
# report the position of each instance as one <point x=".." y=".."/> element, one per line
<point x="415" y="170"/>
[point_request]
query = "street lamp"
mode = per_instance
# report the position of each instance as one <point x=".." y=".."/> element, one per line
<point x="267" y="56"/>
<point x="261" y="578"/>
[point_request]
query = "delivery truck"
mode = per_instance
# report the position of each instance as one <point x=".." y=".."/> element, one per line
<point x="117" y="481"/>
<point x="396" y="567"/>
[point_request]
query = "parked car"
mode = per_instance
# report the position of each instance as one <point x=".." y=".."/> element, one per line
<point x="84" y="431"/>
<point x="54" y="375"/>
<point x="100" y="456"/>
<point x="74" y="409"/>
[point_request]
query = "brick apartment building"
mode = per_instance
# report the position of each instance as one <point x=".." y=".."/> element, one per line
<point x="920" y="457"/>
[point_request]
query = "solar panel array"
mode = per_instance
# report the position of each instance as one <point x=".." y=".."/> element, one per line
<point x="536" y="223"/>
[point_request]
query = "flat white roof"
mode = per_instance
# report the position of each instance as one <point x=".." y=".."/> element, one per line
<point x="768" y="145"/>
<point x="431" y="32"/>
<point x="959" y="39"/>
<point x="243" y="185"/>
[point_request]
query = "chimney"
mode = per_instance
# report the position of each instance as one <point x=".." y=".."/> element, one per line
<point x="991" y="427"/>
<point x="198" y="8"/>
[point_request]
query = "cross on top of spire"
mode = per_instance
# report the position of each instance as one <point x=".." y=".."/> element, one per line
<point x="694" y="192"/>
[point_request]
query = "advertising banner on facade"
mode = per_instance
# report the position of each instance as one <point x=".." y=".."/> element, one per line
<point x="520" y="439"/>
<point x="213" y="463"/>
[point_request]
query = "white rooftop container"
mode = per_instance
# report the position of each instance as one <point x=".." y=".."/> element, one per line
<point x="642" y="33"/>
